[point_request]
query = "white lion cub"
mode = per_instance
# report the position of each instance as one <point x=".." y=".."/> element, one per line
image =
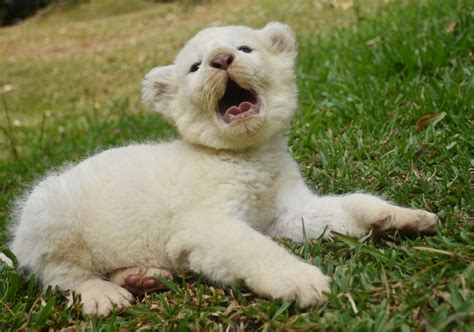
<point x="209" y="202"/>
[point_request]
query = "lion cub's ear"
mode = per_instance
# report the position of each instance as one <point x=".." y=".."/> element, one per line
<point x="281" y="38"/>
<point x="157" y="90"/>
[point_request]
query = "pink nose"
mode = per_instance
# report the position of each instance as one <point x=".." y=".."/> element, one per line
<point x="222" y="61"/>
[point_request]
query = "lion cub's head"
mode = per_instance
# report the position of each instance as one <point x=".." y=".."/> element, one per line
<point x="229" y="87"/>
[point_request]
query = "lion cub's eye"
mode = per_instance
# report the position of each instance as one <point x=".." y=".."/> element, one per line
<point x="194" y="67"/>
<point x="245" y="49"/>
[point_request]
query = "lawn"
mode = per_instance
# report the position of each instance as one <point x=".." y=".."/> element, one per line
<point x="386" y="106"/>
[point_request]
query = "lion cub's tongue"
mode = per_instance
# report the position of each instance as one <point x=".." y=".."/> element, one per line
<point x="245" y="108"/>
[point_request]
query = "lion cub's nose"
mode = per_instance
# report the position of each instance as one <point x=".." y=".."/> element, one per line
<point x="222" y="61"/>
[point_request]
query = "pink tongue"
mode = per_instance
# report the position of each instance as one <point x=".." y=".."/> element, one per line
<point x="234" y="110"/>
<point x="244" y="107"/>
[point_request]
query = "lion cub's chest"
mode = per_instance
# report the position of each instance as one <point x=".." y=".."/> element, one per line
<point x="247" y="187"/>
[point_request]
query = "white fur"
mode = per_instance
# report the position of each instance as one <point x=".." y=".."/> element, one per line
<point x="209" y="202"/>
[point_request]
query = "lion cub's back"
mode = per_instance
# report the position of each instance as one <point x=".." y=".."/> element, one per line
<point x="130" y="187"/>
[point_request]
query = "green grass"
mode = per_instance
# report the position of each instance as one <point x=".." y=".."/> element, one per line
<point x="365" y="90"/>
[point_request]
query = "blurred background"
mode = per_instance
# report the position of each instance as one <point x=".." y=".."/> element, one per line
<point x="64" y="57"/>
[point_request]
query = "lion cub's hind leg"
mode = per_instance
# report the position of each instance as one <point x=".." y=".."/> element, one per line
<point x="139" y="279"/>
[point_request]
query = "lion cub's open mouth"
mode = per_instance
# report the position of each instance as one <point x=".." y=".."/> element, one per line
<point x="237" y="103"/>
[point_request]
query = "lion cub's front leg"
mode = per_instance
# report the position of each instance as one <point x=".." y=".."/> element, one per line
<point x="227" y="250"/>
<point x="351" y="214"/>
<point x="370" y="212"/>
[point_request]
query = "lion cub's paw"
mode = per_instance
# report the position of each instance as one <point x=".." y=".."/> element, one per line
<point x="99" y="297"/>
<point x="414" y="220"/>
<point x="305" y="284"/>
<point x="140" y="279"/>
